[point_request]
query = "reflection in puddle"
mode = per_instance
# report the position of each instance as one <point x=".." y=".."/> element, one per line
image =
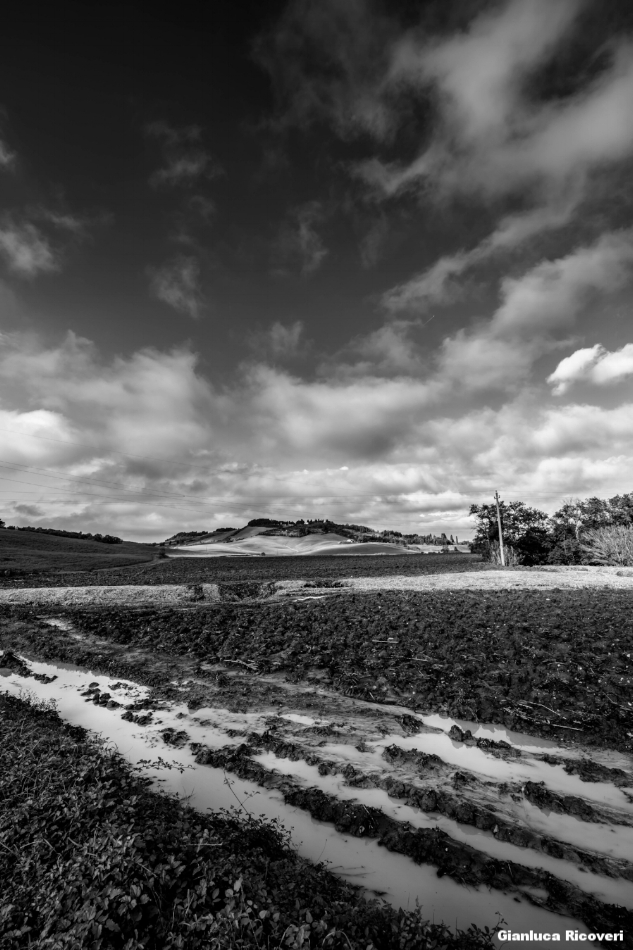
<point x="359" y="860"/>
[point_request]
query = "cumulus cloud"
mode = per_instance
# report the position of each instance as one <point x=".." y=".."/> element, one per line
<point x="533" y="307"/>
<point x="144" y="445"/>
<point x="593" y="364"/>
<point x="177" y="283"/>
<point x="184" y="161"/>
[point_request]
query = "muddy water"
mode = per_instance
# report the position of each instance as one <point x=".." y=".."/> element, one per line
<point x="361" y="861"/>
<point x="516" y="770"/>
<point x="609" y="890"/>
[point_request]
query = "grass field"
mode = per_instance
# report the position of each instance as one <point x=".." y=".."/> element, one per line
<point x="29" y="551"/>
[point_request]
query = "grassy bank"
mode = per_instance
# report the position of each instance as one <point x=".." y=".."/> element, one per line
<point x="91" y="857"/>
<point x="25" y="552"/>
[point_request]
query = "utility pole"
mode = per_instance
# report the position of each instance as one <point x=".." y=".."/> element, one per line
<point x="501" y="550"/>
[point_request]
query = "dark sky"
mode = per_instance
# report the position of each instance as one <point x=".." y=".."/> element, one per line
<point x="367" y="258"/>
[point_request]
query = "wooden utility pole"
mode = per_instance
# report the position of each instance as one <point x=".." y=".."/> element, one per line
<point x="501" y="550"/>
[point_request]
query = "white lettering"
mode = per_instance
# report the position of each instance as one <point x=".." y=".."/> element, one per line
<point x="582" y="936"/>
<point x="556" y="937"/>
<point x="546" y="936"/>
<point x="608" y="937"/>
<point x="569" y="935"/>
<point x="591" y="937"/>
<point x="503" y="935"/>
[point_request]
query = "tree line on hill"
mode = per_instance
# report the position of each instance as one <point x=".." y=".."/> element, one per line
<point x="355" y="532"/>
<point x="591" y="531"/>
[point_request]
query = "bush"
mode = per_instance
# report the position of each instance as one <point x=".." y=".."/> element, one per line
<point x="511" y="557"/>
<point x="611" y="546"/>
<point x="568" y="551"/>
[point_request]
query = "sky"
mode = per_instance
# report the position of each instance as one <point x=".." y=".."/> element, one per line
<point x="363" y="260"/>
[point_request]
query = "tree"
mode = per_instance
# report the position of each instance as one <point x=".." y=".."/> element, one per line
<point x="525" y="530"/>
<point x="1" y="523"/>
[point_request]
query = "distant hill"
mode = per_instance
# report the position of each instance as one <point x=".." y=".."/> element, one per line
<point x="269" y="527"/>
<point x="28" y="551"/>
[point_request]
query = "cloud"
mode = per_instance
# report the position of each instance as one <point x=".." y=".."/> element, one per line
<point x="326" y="61"/>
<point x="7" y="157"/>
<point x="30" y="511"/>
<point x="25" y="249"/>
<point x="281" y="341"/>
<point x="299" y="242"/>
<point x="388" y="351"/>
<point x="440" y="284"/>
<point x="551" y="293"/>
<point x="491" y="137"/>
<point x="366" y="449"/>
<point x="177" y="283"/>
<point x="533" y="309"/>
<point x="184" y="163"/>
<point x="594" y="365"/>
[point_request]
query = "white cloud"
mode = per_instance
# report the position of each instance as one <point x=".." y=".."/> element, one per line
<point x="362" y="449"/>
<point x="439" y="283"/>
<point x="491" y="137"/>
<point x="550" y="294"/>
<point x="26" y="251"/>
<point x="177" y="283"/>
<point x="593" y="364"/>
<point x="533" y="309"/>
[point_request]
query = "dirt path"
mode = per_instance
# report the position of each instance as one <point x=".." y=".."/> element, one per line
<point x="181" y="594"/>
<point x="510" y="579"/>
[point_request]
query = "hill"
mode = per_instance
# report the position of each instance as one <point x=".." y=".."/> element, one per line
<point x="329" y="531"/>
<point x="265" y="536"/>
<point x="25" y="552"/>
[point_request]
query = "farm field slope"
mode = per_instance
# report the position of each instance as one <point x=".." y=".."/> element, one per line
<point x="29" y="551"/>
<point x="209" y="570"/>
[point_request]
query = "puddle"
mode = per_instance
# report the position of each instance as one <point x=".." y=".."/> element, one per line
<point x="58" y="622"/>
<point x="609" y="890"/>
<point x="520" y="740"/>
<point x="303" y="720"/>
<point x="358" y="860"/>
<point x="515" y="770"/>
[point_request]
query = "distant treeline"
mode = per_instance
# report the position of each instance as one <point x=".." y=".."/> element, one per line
<point x="355" y="532"/>
<point x="79" y="535"/>
<point x="183" y="536"/>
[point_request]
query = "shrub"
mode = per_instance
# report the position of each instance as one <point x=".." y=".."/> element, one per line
<point x="512" y="559"/>
<point x="613" y="545"/>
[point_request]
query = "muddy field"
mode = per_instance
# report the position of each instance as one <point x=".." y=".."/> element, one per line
<point x="210" y="570"/>
<point x="483" y="736"/>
